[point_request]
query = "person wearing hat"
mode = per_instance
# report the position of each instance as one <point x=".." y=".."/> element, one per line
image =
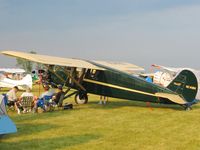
<point x="59" y="96"/>
<point x="47" y="93"/>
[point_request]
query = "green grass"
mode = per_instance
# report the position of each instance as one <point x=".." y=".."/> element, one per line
<point x="120" y="124"/>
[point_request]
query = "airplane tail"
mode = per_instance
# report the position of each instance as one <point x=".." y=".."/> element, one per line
<point x="185" y="84"/>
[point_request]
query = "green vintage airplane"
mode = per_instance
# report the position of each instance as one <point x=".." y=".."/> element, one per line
<point x="113" y="80"/>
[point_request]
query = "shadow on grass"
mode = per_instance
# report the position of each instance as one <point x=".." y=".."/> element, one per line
<point x="126" y="103"/>
<point x="30" y="129"/>
<point x="36" y="116"/>
<point x="51" y="143"/>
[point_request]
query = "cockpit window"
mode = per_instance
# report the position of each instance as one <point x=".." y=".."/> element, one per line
<point x="92" y="74"/>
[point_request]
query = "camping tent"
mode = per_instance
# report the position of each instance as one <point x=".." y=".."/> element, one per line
<point x="6" y="124"/>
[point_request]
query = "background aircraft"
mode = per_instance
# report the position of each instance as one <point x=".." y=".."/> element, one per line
<point x="164" y="75"/>
<point x="101" y="78"/>
<point x="14" y="77"/>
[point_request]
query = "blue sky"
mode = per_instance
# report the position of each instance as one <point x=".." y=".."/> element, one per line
<point x="142" y="32"/>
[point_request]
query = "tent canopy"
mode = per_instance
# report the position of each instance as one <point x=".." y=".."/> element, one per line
<point x="6" y="124"/>
<point x="2" y="106"/>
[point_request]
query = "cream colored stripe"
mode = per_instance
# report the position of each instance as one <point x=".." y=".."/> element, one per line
<point x="172" y="97"/>
<point x="119" y="87"/>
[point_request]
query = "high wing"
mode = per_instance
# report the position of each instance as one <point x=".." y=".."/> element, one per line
<point x="51" y="60"/>
<point x="79" y="63"/>
<point x="122" y="66"/>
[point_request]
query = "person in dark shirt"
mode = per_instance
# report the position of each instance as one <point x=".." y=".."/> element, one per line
<point x="58" y="98"/>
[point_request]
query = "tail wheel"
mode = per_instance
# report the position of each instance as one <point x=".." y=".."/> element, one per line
<point x="81" y="98"/>
<point x="188" y="108"/>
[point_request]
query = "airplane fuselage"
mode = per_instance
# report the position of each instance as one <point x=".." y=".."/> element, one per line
<point x="120" y="85"/>
<point x="113" y="83"/>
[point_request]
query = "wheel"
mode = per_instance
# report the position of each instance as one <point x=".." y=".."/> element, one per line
<point x="188" y="108"/>
<point x="81" y="98"/>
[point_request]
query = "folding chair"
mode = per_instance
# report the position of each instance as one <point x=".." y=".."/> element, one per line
<point x="48" y="105"/>
<point x="26" y="103"/>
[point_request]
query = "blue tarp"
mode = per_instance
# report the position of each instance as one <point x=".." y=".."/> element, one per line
<point x="6" y="124"/>
<point x="149" y="79"/>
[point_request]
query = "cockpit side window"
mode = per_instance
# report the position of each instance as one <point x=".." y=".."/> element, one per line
<point x="92" y="74"/>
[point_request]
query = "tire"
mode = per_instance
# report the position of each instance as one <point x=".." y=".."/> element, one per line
<point x="188" y="108"/>
<point x="81" y="98"/>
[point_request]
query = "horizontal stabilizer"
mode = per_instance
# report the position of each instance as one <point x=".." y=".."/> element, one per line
<point x="172" y="97"/>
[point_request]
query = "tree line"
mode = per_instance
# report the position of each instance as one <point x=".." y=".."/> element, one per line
<point x="27" y="65"/>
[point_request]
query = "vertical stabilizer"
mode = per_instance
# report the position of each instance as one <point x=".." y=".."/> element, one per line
<point x="185" y="84"/>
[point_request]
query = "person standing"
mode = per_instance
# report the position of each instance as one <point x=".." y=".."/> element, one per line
<point x="103" y="100"/>
<point x="59" y="96"/>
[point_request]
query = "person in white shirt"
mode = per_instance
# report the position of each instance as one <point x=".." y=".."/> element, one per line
<point x="12" y="97"/>
<point x="48" y="92"/>
<point x="40" y="102"/>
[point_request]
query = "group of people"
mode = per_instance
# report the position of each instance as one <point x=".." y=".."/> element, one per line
<point x="50" y="96"/>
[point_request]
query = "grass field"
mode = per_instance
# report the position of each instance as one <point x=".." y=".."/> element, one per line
<point x="120" y="124"/>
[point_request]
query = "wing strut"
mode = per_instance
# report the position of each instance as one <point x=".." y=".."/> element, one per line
<point x="68" y="75"/>
<point x="74" y="80"/>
